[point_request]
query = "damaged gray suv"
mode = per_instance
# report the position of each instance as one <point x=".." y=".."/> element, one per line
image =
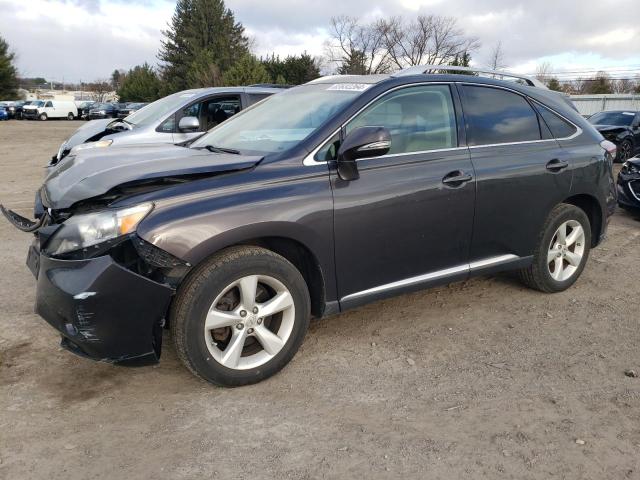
<point x="321" y="198"/>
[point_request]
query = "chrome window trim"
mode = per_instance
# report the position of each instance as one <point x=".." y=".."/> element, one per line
<point x="310" y="160"/>
<point x="633" y="192"/>
<point x="468" y="267"/>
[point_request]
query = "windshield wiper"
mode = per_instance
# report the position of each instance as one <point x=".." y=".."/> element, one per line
<point x="214" y="149"/>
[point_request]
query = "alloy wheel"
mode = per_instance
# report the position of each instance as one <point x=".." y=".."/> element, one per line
<point x="249" y="322"/>
<point x="566" y="250"/>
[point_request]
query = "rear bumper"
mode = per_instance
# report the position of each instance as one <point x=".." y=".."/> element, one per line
<point x="102" y="310"/>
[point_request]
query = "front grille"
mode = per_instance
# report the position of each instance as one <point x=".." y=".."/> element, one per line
<point x="155" y="256"/>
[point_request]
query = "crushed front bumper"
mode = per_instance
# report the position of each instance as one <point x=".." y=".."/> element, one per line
<point x="102" y="310"/>
<point x="629" y="190"/>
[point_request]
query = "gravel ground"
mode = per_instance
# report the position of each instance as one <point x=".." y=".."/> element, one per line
<point x="480" y="379"/>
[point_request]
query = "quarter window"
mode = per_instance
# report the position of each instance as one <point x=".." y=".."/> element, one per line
<point x="559" y="127"/>
<point x="419" y="118"/>
<point x="497" y="116"/>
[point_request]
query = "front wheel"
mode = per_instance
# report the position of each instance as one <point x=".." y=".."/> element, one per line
<point x="562" y="250"/>
<point x="43" y="116"/>
<point x="625" y="151"/>
<point x="240" y="317"/>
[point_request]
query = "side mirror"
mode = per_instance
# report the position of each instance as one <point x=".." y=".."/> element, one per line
<point x="363" y="142"/>
<point x="189" y="124"/>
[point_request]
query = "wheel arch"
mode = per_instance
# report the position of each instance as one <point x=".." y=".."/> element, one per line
<point x="285" y="240"/>
<point x="592" y="208"/>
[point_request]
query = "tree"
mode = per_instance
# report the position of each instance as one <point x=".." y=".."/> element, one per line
<point x="554" y="84"/>
<point x="117" y="78"/>
<point x="293" y="70"/>
<point x="101" y="90"/>
<point x="429" y="39"/>
<point x="8" y="72"/>
<point x="203" y="38"/>
<point x="544" y="71"/>
<point x="496" y="60"/>
<point x="462" y="60"/>
<point x="246" y="71"/>
<point x="355" y="48"/>
<point x="598" y="85"/>
<point x="140" y="84"/>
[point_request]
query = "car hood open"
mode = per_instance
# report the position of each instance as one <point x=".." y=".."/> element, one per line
<point x="94" y="172"/>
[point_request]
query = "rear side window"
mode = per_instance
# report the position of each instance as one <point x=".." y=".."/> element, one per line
<point x="256" y="97"/>
<point x="497" y="116"/>
<point x="559" y="127"/>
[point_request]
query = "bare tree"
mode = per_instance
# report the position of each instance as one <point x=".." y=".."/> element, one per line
<point x="100" y="89"/>
<point x="355" y="48"/>
<point x="496" y="60"/>
<point x="544" y="72"/>
<point x="429" y="39"/>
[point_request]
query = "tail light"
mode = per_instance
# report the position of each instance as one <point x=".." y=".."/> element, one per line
<point x="610" y="147"/>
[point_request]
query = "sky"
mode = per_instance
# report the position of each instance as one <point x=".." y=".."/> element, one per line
<point x="85" y="40"/>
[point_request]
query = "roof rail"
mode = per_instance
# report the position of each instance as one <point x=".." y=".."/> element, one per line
<point x="420" y="69"/>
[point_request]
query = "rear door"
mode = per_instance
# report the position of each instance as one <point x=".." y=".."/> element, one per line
<point x="404" y="224"/>
<point x="521" y="171"/>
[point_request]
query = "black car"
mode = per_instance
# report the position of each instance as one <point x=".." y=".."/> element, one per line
<point x="128" y="108"/>
<point x="84" y="108"/>
<point x="629" y="184"/>
<point x="621" y="127"/>
<point x="319" y="199"/>
<point x="103" y="110"/>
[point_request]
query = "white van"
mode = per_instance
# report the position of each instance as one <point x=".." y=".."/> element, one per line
<point x="45" y="109"/>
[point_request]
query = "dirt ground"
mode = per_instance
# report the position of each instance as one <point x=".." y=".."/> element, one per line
<point x="481" y="379"/>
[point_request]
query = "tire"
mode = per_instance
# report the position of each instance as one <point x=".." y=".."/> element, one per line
<point x="625" y="151"/>
<point x="209" y="353"/>
<point x="43" y="116"/>
<point x="566" y="269"/>
<point x="70" y="116"/>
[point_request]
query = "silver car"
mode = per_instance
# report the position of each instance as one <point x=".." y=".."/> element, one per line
<point x="174" y="119"/>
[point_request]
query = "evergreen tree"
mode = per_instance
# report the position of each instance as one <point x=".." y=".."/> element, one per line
<point x="356" y="64"/>
<point x="246" y="71"/>
<point x="8" y="72"/>
<point x="293" y="70"/>
<point x="554" y="84"/>
<point x="141" y="84"/>
<point x="203" y="36"/>
<point x="461" y="60"/>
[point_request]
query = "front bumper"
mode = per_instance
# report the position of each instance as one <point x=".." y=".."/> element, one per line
<point x="628" y="188"/>
<point x="102" y="310"/>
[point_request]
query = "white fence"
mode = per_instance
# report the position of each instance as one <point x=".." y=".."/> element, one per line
<point x="590" y="104"/>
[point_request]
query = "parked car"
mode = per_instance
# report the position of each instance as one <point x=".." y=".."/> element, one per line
<point x="46" y="109"/>
<point x="176" y="118"/>
<point x="18" y="113"/>
<point x="621" y="127"/>
<point x="327" y="196"/>
<point x="4" y="115"/>
<point x="103" y="110"/>
<point x="10" y="108"/>
<point x="629" y="184"/>
<point x="129" y="108"/>
<point x="84" y="107"/>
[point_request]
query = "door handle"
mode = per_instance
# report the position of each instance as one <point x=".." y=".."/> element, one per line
<point x="456" y="178"/>
<point x="556" y="165"/>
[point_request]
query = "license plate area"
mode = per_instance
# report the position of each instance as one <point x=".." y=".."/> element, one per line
<point x="33" y="260"/>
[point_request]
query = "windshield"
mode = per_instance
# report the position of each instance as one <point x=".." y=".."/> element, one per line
<point x="281" y="121"/>
<point x="38" y="103"/>
<point x="102" y="106"/>
<point x="621" y="119"/>
<point x="157" y="110"/>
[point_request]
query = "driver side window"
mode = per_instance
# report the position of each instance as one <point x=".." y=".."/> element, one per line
<point x="419" y="118"/>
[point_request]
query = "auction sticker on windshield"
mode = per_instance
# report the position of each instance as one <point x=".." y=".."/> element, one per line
<point x="350" y="87"/>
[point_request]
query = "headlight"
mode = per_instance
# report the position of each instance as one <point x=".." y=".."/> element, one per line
<point x="82" y="231"/>
<point x="102" y="112"/>
<point x="630" y="168"/>
<point x="86" y="146"/>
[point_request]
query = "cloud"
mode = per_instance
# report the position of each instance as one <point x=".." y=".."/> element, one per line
<point x="88" y="39"/>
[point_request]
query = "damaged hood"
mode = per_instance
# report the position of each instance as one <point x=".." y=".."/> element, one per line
<point x="91" y="173"/>
<point x="91" y="129"/>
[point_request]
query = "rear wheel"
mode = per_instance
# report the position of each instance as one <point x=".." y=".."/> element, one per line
<point x="70" y="116"/>
<point x="43" y="116"/>
<point x="241" y="316"/>
<point x="562" y="250"/>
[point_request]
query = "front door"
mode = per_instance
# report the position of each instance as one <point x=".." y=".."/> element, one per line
<point x="407" y="221"/>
